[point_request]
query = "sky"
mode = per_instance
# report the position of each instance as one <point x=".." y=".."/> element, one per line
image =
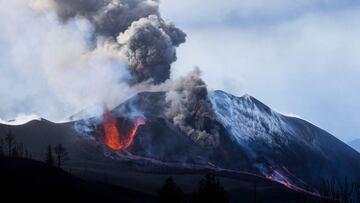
<point x="300" y="57"/>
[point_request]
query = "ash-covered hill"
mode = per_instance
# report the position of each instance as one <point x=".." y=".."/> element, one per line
<point x="288" y="145"/>
<point x="253" y="138"/>
<point x="256" y="145"/>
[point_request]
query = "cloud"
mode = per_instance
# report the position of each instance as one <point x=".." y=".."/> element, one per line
<point x="50" y="68"/>
<point x="244" y="12"/>
<point x="307" y="65"/>
<point x="20" y="120"/>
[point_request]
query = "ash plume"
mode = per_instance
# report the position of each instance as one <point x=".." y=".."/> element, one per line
<point x="191" y="110"/>
<point x="110" y="17"/>
<point x="136" y="29"/>
<point x="80" y="53"/>
<point x="149" y="45"/>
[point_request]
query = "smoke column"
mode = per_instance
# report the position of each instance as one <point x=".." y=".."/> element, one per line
<point x="190" y="109"/>
<point x="134" y="28"/>
<point x="58" y="57"/>
<point x="74" y="54"/>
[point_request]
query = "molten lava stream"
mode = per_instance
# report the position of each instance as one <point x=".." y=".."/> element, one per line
<point x="115" y="138"/>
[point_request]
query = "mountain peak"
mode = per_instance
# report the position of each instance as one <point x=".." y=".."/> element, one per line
<point x="248" y="100"/>
<point x="246" y="117"/>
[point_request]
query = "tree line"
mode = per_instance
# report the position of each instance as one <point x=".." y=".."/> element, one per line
<point x="209" y="191"/>
<point x="334" y="191"/>
<point x="10" y="148"/>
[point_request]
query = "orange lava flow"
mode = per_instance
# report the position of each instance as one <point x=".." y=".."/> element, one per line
<point x="115" y="138"/>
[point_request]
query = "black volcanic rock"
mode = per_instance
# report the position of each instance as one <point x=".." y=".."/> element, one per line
<point x="253" y="139"/>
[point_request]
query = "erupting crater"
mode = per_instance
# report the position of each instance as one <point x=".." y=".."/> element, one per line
<point x="119" y="136"/>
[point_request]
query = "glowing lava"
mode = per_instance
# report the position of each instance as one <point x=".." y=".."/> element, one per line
<point x="119" y="139"/>
<point x="279" y="177"/>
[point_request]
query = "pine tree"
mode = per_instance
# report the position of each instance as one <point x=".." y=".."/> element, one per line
<point x="170" y="192"/>
<point x="1" y="147"/>
<point x="20" y="150"/>
<point x="10" y="141"/>
<point x="61" y="154"/>
<point x="49" y="157"/>
<point x="27" y="154"/>
<point x="14" y="153"/>
<point x="210" y="191"/>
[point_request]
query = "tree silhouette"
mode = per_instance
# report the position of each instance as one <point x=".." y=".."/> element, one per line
<point x="61" y="154"/>
<point x="28" y="154"/>
<point x="336" y="191"/>
<point x="20" y="150"/>
<point x="1" y="147"/>
<point x="357" y="190"/>
<point x="10" y="141"/>
<point x="15" y="153"/>
<point x="49" y="156"/>
<point x="170" y="192"/>
<point x="210" y="191"/>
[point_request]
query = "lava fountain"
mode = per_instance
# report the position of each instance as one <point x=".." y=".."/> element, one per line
<point x="119" y="138"/>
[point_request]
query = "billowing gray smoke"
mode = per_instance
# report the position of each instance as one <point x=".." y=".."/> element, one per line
<point x="150" y="47"/>
<point x="141" y="34"/>
<point x="149" y="44"/>
<point x="191" y="110"/>
<point x="58" y="57"/>
<point x="110" y="17"/>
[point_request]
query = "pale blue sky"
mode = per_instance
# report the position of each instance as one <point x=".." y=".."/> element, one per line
<point x="299" y="57"/>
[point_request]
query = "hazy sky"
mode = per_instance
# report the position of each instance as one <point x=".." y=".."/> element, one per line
<point x="300" y="57"/>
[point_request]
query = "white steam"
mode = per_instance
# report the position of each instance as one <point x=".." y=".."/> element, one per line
<point x="47" y="67"/>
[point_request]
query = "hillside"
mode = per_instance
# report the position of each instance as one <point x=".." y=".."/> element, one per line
<point x="34" y="181"/>
<point x="257" y="145"/>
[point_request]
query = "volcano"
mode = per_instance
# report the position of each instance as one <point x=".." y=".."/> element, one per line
<point x="257" y="145"/>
